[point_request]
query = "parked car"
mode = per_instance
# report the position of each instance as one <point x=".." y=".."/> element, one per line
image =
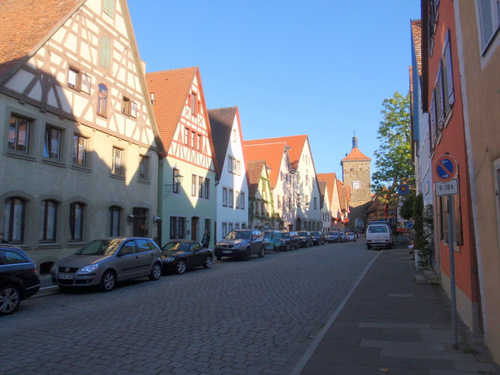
<point x="180" y="256"/>
<point x="104" y="262"/>
<point x="289" y="240"/>
<point x="350" y="236"/>
<point x="305" y="239"/>
<point x="342" y="237"/>
<point x="240" y="243"/>
<point x="318" y="238"/>
<point x="272" y="240"/>
<point x="332" y="237"/>
<point x="18" y="278"/>
<point x="378" y="235"/>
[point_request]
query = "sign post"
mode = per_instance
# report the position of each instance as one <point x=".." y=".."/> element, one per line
<point x="445" y="170"/>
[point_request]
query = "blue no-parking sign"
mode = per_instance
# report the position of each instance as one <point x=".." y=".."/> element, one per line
<point x="445" y="168"/>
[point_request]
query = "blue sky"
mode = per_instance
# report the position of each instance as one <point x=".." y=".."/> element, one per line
<point x="320" y="67"/>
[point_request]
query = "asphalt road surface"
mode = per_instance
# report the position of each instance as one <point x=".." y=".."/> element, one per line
<point x="254" y="317"/>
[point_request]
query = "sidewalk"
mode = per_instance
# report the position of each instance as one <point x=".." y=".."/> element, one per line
<point x="396" y="324"/>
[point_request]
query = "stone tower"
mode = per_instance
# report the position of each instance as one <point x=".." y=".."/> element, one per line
<point x="356" y="174"/>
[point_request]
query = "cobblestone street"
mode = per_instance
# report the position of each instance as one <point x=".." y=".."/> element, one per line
<point x="255" y="317"/>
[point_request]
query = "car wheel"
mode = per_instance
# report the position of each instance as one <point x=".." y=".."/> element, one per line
<point x="155" y="272"/>
<point x="208" y="262"/>
<point x="276" y="249"/>
<point x="9" y="299"/>
<point x="181" y="267"/>
<point x="108" y="281"/>
<point x="246" y="256"/>
<point x="218" y="257"/>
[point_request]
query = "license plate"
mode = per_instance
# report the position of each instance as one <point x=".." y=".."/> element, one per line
<point x="227" y="252"/>
<point x="63" y="276"/>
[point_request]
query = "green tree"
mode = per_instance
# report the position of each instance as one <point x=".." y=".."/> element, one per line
<point x="393" y="158"/>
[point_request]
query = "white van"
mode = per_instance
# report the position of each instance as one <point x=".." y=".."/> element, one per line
<point x="378" y="235"/>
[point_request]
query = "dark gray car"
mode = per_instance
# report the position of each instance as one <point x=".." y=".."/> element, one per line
<point x="105" y="262"/>
<point x="241" y="243"/>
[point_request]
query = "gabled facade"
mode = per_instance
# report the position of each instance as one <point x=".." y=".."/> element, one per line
<point x="478" y="39"/>
<point x="186" y="191"/>
<point x="78" y="141"/>
<point x="281" y="177"/>
<point x="443" y="99"/>
<point x="333" y="199"/>
<point x="261" y="209"/>
<point x="231" y="177"/>
<point x="326" y="215"/>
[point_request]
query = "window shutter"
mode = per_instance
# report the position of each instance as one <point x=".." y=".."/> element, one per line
<point x="449" y="71"/>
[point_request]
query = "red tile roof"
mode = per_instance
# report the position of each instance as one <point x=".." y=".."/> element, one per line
<point x="221" y="123"/>
<point x="25" y="24"/>
<point x="271" y="151"/>
<point x="171" y="89"/>
<point x="295" y="142"/>
<point x="356" y="155"/>
<point x="254" y="172"/>
<point x="416" y="29"/>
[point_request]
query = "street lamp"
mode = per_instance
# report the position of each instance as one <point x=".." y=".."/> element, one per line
<point x="177" y="180"/>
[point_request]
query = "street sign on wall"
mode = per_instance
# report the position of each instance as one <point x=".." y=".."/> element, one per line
<point x="447" y="188"/>
<point x="445" y="168"/>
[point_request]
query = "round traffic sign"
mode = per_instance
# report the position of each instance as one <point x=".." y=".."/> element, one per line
<point x="445" y="168"/>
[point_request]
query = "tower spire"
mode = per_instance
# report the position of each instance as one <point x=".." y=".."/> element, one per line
<point x="354" y="141"/>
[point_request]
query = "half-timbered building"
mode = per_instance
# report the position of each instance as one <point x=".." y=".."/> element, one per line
<point x="78" y="150"/>
<point x="187" y="173"/>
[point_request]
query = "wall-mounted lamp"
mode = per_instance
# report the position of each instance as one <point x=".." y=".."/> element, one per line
<point x="177" y="181"/>
<point x="156" y="219"/>
<point x="130" y="218"/>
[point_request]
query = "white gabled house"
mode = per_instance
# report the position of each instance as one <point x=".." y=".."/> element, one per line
<point x="231" y="178"/>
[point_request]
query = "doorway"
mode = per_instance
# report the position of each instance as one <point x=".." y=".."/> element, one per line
<point x="194" y="228"/>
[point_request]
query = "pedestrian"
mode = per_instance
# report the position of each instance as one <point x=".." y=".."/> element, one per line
<point x="2" y="239"/>
<point x="205" y="240"/>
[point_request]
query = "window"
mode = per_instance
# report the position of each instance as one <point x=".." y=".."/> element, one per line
<point x="194" y="104"/>
<point x="200" y="186"/>
<point x="230" y="196"/>
<point x="224" y="229"/>
<point x="230" y="164"/>
<point x="175" y="186"/>
<point x="126" y="105"/>
<point x="278" y="202"/>
<point x="117" y="167"/>
<point x="102" y="100"/>
<point x="315" y="203"/>
<point x="79" y="150"/>
<point x="489" y="21"/>
<point x="237" y="198"/>
<point x="76" y="221"/>
<point x="242" y="200"/>
<point x="86" y="83"/>
<point x="177" y="227"/>
<point x="186" y="136"/>
<point x="207" y="188"/>
<point x="199" y="142"/>
<point x="108" y="6"/>
<point x="432" y="21"/>
<point x="14" y="211"/>
<point x="143" y="167"/>
<point x="443" y="219"/>
<point x="235" y="136"/>
<point x="74" y="78"/>
<point x="224" y="196"/>
<point x="52" y="143"/>
<point x="238" y="166"/>
<point x="193" y="185"/>
<point x="105" y="52"/>
<point x="193" y="139"/>
<point x="48" y="221"/>
<point x="114" y="216"/>
<point x="19" y="132"/>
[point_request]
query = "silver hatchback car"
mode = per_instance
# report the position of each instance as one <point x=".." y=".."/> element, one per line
<point x="105" y="262"/>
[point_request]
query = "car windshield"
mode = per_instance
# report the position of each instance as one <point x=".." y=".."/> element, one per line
<point x="315" y="233"/>
<point x="333" y="233"/>
<point x="176" y="246"/>
<point x="285" y="235"/>
<point x="377" y="229"/>
<point x="302" y="233"/>
<point x="239" y="235"/>
<point x="267" y="234"/>
<point x="350" y="234"/>
<point x="100" y="247"/>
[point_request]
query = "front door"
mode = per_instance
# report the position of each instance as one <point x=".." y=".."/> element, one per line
<point x="140" y="225"/>
<point x="194" y="228"/>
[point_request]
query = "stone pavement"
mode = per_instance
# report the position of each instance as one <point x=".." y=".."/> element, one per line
<point x="396" y="324"/>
